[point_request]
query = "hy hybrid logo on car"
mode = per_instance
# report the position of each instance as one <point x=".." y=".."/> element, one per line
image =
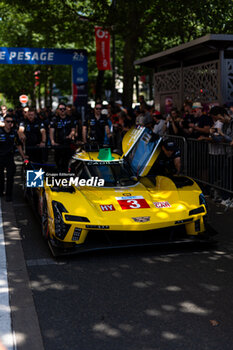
<point x="35" y="178"/>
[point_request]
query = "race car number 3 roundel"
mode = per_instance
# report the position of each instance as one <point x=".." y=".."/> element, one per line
<point x="132" y="202"/>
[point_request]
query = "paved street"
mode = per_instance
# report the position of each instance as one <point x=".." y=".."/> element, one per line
<point x="133" y="299"/>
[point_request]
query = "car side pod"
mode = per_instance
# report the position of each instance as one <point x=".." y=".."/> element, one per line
<point x="201" y="231"/>
<point x="195" y="227"/>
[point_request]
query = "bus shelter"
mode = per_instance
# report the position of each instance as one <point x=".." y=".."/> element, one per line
<point x="200" y="70"/>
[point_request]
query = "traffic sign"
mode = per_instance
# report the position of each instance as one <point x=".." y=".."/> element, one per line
<point x="23" y="98"/>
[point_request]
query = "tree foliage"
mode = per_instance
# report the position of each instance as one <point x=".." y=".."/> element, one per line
<point x="141" y="28"/>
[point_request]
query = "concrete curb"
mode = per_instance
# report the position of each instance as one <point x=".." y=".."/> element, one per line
<point x="24" y="317"/>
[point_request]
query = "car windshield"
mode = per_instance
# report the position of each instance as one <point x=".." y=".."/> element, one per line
<point x="140" y="154"/>
<point x="114" y="174"/>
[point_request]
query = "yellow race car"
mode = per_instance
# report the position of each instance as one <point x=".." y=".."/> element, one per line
<point x="111" y="201"/>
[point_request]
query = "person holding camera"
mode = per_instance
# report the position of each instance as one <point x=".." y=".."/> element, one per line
<point x="219" y="131"/>
<point x="172" y="123"/>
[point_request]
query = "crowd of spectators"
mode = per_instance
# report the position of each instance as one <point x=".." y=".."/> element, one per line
<point x="105" y="126"/>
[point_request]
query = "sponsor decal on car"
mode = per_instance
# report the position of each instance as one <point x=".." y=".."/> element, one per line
<point x="142" y="219"/>
<point x="107" y="207"/>
<point x="162" y="204"/>
<point x="132" y="202"/>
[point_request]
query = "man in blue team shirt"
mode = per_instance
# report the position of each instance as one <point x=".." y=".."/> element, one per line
<point x="8" y="141"/>
<point x="62" y="133"/>
<point x="33" y="134"/>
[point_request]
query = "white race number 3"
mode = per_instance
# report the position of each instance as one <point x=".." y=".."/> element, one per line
<point x="134" y="204"/>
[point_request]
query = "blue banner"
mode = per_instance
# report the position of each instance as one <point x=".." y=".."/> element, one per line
<point x="23" y="55"/>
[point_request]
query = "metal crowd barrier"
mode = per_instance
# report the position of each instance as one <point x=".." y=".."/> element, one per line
<point x="208" y="163"/>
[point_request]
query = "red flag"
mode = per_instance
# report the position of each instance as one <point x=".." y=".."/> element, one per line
<point x="102" y="39"/>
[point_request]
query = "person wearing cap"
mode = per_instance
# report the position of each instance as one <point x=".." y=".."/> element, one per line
<point x="201" y="124"/>
<point x="197" y="105"/>
<point x="168" y="162"/>
<point x="96" y="127"/>
<point x="62" y="134"/>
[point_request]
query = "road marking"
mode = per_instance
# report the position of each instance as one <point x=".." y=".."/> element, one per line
<point x="6" y="335"/>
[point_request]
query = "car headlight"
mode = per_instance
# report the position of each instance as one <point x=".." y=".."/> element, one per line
<point x="76" y="218"/>
<point x="61" y="228"/>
